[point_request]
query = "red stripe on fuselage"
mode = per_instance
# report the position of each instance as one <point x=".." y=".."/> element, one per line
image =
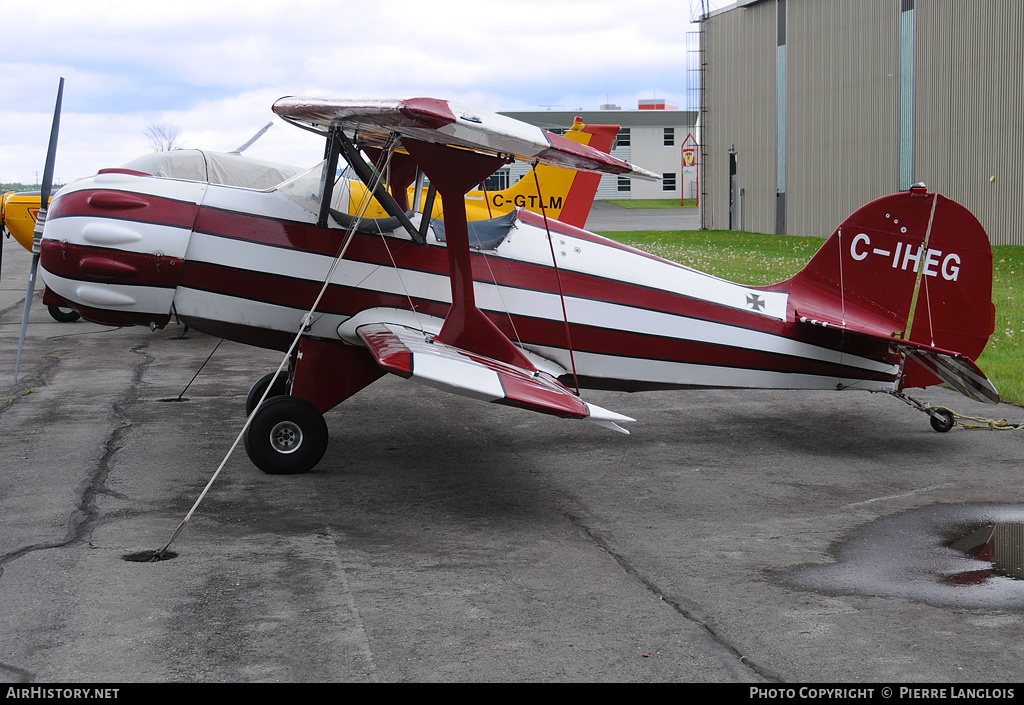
<point x="104" y="265"/>
<point x="391" y="251"/>
<point x="347" y="301"/>
<point x="158" y="210"/>
<point x="373" y="249"/>
<point x="274" y="232"/>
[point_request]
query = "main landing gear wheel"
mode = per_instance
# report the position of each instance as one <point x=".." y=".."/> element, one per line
<point x="256" y="393"/>
<point x="287" y="436"/>
<point x="942" y="421"/>
<point x="63" y="315"/>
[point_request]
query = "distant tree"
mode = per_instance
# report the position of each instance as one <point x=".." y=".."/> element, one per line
<point x="17" y="186"/>
<point x="163" y="138"/>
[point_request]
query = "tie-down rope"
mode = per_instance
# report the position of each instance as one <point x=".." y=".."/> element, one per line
<point x="306" y="324"/>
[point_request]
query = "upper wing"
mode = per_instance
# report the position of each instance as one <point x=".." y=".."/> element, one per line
<point x="415" y="355"/>
<point x="450" y="123"/>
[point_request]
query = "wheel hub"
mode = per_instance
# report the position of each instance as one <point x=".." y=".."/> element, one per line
<point x="286" y="437"/>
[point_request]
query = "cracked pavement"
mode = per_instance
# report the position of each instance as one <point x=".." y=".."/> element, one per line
<point x="447" y="540"/>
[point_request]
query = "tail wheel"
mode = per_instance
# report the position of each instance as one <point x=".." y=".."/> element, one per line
<point x="941" y="420"/>
<point x="256" y="393"/>
<point x="63" y="315"/>
<point x="287" y="436"/>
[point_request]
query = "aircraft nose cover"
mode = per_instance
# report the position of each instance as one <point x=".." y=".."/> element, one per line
<point x="114" y="254"/>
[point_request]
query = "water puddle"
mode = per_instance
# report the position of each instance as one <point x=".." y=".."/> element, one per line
<point x="964" y="555"/>
<point x="1001" y="544"/>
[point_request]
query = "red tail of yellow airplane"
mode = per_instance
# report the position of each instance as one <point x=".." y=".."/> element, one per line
<point x="566" y="195"/>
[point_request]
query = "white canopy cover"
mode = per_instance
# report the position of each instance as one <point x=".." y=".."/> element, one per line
<point x="228" y="168"/>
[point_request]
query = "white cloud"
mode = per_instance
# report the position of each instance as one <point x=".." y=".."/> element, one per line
<point x="213" y="68"/>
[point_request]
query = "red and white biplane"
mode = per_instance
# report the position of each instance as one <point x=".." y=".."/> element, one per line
<point x="520" y="310"/>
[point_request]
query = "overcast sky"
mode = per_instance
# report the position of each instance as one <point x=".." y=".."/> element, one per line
<point x="212" y="68"/>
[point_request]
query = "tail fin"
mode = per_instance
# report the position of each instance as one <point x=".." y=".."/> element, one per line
<point x="567" y="195"/>
<point x="907" y="247"/>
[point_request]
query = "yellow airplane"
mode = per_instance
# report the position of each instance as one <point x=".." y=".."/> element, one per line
<point x="18" y="211"/>
<point x="566" y="195"/>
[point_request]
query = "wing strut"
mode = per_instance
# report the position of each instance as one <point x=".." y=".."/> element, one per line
<point x="333" y="148"/>
<point x="455" y="172"/>
<point x="366" y="175"/>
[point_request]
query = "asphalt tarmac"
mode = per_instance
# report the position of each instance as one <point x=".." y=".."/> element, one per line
<point x="443" y="539"/>
<point x="608" y="217"/>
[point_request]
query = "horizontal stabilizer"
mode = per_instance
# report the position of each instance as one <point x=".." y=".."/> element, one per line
<point x="953" y="368"/>
<point x="956" y="370"/>
<point x="415" y="355"/>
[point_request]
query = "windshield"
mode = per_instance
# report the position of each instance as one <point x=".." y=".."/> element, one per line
<point x="307" y="188"/>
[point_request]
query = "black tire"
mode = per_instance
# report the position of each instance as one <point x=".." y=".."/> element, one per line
<point x="287" y="436"/>
<point x="63" y="315"/>
<point x="943" y="421"/>
<point x="256" y="393"/>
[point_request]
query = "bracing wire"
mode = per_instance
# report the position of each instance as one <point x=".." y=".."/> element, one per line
<point x="306" y="324"/>
<point x="921" y="258"/>
<point x="487" y="199"/>
<point x="558" y="278"/>
<point x="486" y="260"/>
<point x="201" y="367"/>
<point x="501" y="297"/>
<point x="842" y="298"/>
<point x="387" y="247"/>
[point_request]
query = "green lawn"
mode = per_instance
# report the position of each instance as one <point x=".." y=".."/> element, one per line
<point x="755" y="258"/>
<point x="747" y="258"/>
<point x="647" y="203"/>
<point x="1004" y="353"/>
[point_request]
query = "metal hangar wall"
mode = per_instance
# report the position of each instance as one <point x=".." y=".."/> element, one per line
<point x="819" y="107"/>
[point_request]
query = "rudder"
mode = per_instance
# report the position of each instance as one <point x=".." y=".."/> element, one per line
<point x="895" y="250"/>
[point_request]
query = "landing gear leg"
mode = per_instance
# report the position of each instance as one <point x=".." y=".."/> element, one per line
<point x="940" y="417"/>
<point x="288" y="434"/>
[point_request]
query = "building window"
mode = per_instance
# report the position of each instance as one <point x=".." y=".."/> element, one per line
<point x="668" y="182"/>
<point x="624" y="184"/>
<point x="623" y="137"/>
<point x="670" y="136"/>
<point x="498" y="181"/>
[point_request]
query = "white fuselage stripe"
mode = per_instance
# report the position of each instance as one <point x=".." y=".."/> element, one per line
<point x="121" y="235"/>
<point x="614" y="367"/>
<point x="116" y="297"/>
<point x="529" y="244"/>
<point x="519" y="302"/>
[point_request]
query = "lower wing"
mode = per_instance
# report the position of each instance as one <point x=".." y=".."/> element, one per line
<point x="414" y="354"/>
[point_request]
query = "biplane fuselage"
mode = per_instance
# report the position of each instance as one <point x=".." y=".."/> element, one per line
<point x="246" y="265"/>
<point x="517" y="310"/>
